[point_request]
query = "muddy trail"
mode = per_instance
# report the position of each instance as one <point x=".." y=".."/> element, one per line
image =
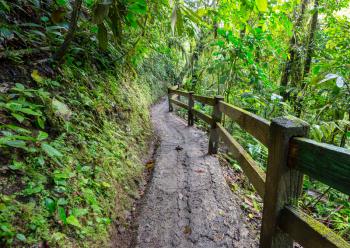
<point x="188" y="203"/>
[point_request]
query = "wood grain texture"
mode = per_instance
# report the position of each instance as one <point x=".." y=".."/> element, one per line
<point x="171" y="108"/>
<point x="283" y="184"/>
<point x="251" y="169"/>
<point x="204" y="99"/>
<point x="253" y="124"/>
<point x="307" y="231"/>
<point x="180" y="92"/>
<point x="326" y="163"/>
<point x="206" y="118"/>
<point x="214" y="132"/>
<point x="178" y="103"/>
<point x="190" y="108"/>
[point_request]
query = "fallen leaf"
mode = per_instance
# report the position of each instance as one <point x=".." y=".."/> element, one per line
<point x="149" y="165"/>
<point x="187" y="230"/>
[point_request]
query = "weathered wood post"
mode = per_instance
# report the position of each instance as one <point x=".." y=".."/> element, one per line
<point x="283" y="184"/>
<point x="214" y="133"/>
<point x="190" y="108"/>
<point x="169" y="100"/>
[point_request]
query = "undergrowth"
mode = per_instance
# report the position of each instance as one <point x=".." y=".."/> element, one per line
<point x="70" y="149"/>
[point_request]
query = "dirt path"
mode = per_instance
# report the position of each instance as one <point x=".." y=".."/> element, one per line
<point x="188" y="203"/>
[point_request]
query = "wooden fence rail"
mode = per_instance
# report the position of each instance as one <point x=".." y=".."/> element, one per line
<point x="291" y="155"/>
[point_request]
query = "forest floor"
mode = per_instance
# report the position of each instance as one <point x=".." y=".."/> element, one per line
<point x="188" y="202"/>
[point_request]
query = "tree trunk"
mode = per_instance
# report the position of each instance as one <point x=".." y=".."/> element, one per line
<point x="72" y="27"/>
<point x="309" y="53"/>
<point x="292" y="50"/>
<point x="194" y="62"/>
<point x="311" y="44"/>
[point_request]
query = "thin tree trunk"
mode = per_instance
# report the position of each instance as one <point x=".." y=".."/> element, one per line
<point x="195" y="57"/>
<point x="311" y="44"/>
<point x="72" y="27"/>
<point x="308" y="59"/>
<point x="292" y="50"/>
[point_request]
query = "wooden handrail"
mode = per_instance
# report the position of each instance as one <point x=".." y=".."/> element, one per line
<point x="289" y="157"/>
<point x="204" y="99"/>
<point x="253" y="124"/>
<point x="326" y="163"/>
<point x="179" y="92"/>
<point x="181" y="104"/>
<point x="202" y="116"/>
<point x="307" y="231"/>
<point x="252" y="170"/>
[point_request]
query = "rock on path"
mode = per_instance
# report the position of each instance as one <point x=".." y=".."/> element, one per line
<point x="188" y="203"/>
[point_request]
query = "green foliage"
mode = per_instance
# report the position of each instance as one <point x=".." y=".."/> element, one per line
<point x="70" y="133"/>
<point x="245" y="49"/>
<point x="71" y="136"/>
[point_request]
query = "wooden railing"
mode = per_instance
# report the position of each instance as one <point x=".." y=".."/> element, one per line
<point x="290" y="156"/>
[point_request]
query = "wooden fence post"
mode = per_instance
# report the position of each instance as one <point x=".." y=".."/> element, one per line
<point x="169" y="100"/>
<point x="214" y="133"/>
<point x="283" y="184"/>
<point x="190" y="108"/>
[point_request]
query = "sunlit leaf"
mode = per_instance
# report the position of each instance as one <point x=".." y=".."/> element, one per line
<point x="42" y="135"/>
<point x="262" y="5"/>
<point x="72" y="220"/>
<point x="339" y="82"/>
<point x="36" y="76"/>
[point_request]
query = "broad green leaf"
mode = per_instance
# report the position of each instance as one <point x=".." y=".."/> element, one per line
<point x="138" y="7"/>
<point x="42" y="135"/>
<point x="40" y="122"/>
<point x="50" y="204"/>
<point x="77" y="212"/>
<point x="20" y="118"/>
<point x="29" y="111"/>
<point x="16" y="165"/>
<point x="72" y="220"/>
<point x="21" y="237"/>
<point x="19" y="129"/>
<point x="16" y="144"/>
<point x="19" y="87"/>
<point x="262" y="5"/>
<point x="62" y="214"/>
<point x="52" y="152"/>
<point x="62" y="2"/>
<point x="89" y="3"/>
